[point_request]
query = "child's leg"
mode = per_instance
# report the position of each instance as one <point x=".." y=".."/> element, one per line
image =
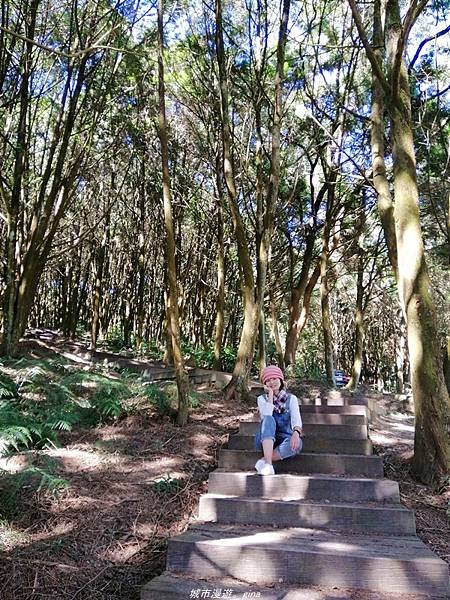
<point x="267" y="436"/>
<point x="284" y="449"/>
<point x="276" y="455"/>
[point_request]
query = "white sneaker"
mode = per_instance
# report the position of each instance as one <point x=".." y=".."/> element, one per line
<point x="260" y="464"/>
<point x="267" y="470"/>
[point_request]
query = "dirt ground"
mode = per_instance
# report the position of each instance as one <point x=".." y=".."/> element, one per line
<point x="393" y="439"/>
<point x="136" y="483"/>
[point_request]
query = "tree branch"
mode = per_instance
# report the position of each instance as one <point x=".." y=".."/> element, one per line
<point x="377" y="69"/>
<point x="412" y="15"/>
<point x="424" y="42"/>
<point x="68" y="55"/>
<point x="437" y="94"/>
<point x="408" y="22"/>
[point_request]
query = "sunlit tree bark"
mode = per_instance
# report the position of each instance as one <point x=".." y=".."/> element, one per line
<point x="431" y="398"/>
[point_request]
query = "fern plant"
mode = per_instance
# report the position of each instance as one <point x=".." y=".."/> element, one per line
<point x="32" y="413"/>
<point x="19" y="429"/>
<point x="8" y="388"/>
<point x="159" y="399"/>
<point x="37" y="479"/>
<point x="107" y="403"/>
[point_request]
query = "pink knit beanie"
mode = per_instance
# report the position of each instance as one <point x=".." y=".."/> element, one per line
<point x="270" y="372"/>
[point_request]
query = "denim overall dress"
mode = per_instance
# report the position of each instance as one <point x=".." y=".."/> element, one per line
<point x="278" y="427"/>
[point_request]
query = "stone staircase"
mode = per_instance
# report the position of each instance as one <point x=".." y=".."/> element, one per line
<point x="327" y="518"/>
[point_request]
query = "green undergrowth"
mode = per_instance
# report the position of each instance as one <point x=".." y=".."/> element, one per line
<point x="41" y="397"/>
<point x="167" y="484"/>
<point x="38" y="477"/>
<point x="115" y="342"/>
<point x="198" y="356"/>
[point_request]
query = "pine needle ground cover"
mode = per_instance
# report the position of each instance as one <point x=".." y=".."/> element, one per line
<point x="96" y="477"/>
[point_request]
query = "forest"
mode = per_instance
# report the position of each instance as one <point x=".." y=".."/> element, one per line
<point x="235" y="184"/>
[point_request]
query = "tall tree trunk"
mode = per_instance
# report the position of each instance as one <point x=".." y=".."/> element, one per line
<point x="220" y="299"/>
<point x="400" y="362"/>
<point x="238" y="385"/>
<point x="295" y="303"/>
<point x="304" y="314"/>
<point x="325" y="310"/>
<point x="265" y="234"/>
<point x="172" y="304"/>
<point x="24" y="268"/>
<point x="431" y="398"/>
<point x="252" y="308"/>
<point x="359" y="325"/>
<point x="79" y="299"/>
<point x="324" y="276"/>
<point x="13" y="326"/>
<point x="140" y="316"/>
<point x="275" y="330"/>
<point x="262" y="341"/>
<point x="360" y="304"/>
<point x="100" y="254"/>
<point x="380" y="180"/>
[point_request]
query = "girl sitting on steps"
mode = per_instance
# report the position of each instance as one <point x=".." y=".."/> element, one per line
<point x="280" y="433"/>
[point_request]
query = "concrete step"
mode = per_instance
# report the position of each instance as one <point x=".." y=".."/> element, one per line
<point x="336" y="398"/>
<point x="335" y="464"/>
<point x="308" y="556"/>
<point x="303" y="487"/>
<point x="311" y="444"/>
<point x="170" y="586"/>
<point x="343" y="432"/>
<point x="350" y="409"/>
<point x="322" y="418"/>
<point x="386" y="520"/>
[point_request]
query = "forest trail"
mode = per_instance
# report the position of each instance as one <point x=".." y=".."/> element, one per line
<point x="135" y="482"/>
<point x="47" y="340"/>
<point x="327" y="525"/>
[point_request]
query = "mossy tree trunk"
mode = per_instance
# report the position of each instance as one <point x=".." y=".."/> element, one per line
<point x="172" y="296"/>
<point x="431" y="398"/>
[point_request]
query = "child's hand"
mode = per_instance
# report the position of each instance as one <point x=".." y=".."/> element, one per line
<point x="269" y="392"/>
<point x="295" y="441"/>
